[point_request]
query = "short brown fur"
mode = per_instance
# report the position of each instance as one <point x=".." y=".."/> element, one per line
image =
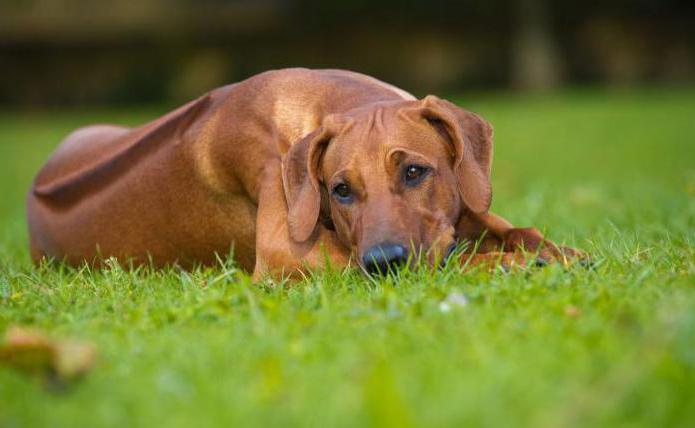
<point x="252" y="165"/>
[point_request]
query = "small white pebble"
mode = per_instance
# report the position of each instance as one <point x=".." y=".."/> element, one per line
<point x="444" y="307"/>
<point x="454" y="299"/>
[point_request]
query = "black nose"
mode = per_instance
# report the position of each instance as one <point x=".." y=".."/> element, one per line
<point x="381" y="258"/>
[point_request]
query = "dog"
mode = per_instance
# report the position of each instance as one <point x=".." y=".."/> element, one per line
<point x="291" y="168"/>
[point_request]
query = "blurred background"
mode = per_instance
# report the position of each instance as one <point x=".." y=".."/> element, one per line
<point x="105" y="52"/>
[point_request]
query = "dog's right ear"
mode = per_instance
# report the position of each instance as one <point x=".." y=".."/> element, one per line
<point x="300" y="179"/>
<point x="471" y="140"/>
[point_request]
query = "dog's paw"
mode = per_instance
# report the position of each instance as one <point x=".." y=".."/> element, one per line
<point x="549" y="252"/>
<point x="530" y="240"/>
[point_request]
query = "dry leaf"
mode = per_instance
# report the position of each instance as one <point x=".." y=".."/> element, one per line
<point x="572" y="311"/>
<point x="52" y="361"/>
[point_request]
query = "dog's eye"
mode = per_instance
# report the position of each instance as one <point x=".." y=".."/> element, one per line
<point x="413" y="174"/>
<point x="343" y="193"/>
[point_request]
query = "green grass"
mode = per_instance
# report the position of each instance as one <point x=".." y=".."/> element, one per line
<point x="612" y="173"/>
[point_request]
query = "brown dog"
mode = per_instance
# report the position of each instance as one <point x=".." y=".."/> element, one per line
<point x="291" y="168"/>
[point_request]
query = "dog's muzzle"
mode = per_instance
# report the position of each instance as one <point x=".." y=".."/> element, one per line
<point x="383" y="258"/>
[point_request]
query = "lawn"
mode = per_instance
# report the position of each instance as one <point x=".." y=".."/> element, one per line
<point x="611" y="172"/>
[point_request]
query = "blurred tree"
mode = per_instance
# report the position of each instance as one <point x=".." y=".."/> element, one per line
<point x="128" y="51"/>
<point x="535" y="62"/>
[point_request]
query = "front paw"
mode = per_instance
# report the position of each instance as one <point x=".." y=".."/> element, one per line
<point x="529" y="239"/>
<point x="550" y="252"/>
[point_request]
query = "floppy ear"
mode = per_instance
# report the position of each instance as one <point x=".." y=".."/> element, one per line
<point x="471" y="140"/>
<point x="300" y="180"/>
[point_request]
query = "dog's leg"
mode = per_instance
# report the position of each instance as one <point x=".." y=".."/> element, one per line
<point x="498" y="240"/>
<point x="277" y="254"/>
<point x="495" y="259"/>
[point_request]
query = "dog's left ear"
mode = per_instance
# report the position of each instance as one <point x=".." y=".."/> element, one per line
<point x="471" y="142"/>
<point x="300" y="178"/>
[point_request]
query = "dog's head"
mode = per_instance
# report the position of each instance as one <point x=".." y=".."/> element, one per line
<point x="392" y="179"/>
